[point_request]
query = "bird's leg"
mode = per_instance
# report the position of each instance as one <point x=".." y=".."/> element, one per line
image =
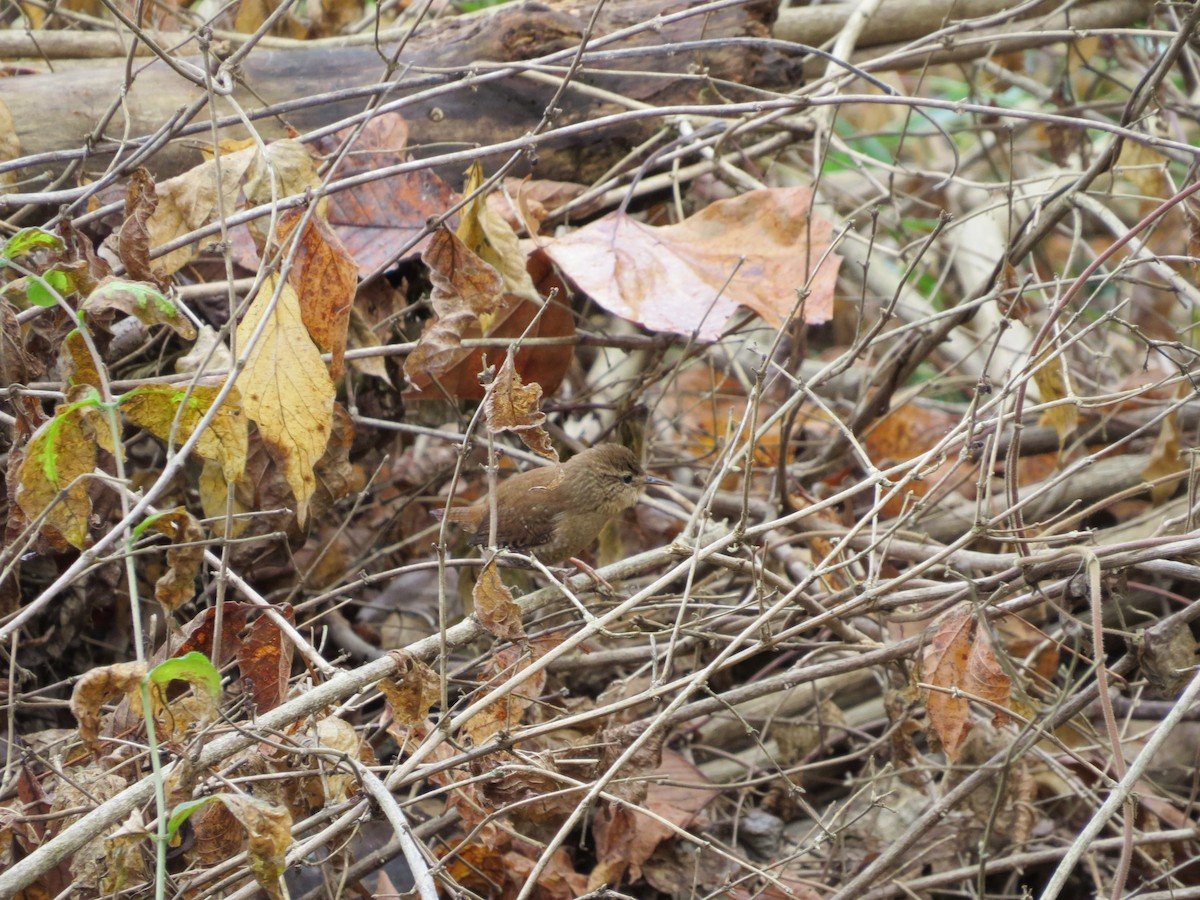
<point x="562" y="585"/>
<point x="602" y="585"/>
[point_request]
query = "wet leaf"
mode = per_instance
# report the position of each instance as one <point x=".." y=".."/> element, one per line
<point x="265" y="661"/>
<point x="756" y="251"/>
<point x="286" y="388"/>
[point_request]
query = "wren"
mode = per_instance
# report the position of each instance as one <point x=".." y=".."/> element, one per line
<point x="556" y="512"/>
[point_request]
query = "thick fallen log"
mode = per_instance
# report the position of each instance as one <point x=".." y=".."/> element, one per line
<point x="453" y="69"/>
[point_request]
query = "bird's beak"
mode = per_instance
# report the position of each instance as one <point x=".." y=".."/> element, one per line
<point x="650" y="479"/>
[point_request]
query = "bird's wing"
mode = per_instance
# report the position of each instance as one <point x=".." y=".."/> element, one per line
<point x="526" y="524"/>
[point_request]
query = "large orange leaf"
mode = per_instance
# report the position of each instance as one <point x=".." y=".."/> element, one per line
<point x="960" y="657"/>
<point x="756" y="251"/>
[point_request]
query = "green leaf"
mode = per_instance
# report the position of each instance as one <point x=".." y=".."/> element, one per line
<point x="193" y="667"/>
<point x="30" y="239"/>
<point x="140" y="528"/>
<point x="180" y="813"/>
<point x="140" y="299"/>
<point x="39" y="291"/>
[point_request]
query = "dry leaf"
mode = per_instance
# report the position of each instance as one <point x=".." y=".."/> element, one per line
<point x="985" y="677"/>
<point x="377" y="219"/>
<point x="133" y="237"/>
<point x="286" y="389"/>
<point x="325" y="279"/>
<point x="96" y="688"/>
<point x="269" y="832"/>
<point x="171" y="413"/>
<point x="467" y="293"/>
<point x="945" y="665"/>
<point x="412" y="691"/>
<point x="490" y="237"/>
<point x="1054" y="383"/>
<point x="190" y="200"/>
<point x="690" y="278"/>
<point x="509" y="711"/>
<point x="140" y="300"/>
<point x="1166" y="459"/>
<point x="512" y="405"/>
<point x="265" y="660"/>
<point x="494" y="606"/>
<point x="52" y="479"/>
<point x="178" y="584"/>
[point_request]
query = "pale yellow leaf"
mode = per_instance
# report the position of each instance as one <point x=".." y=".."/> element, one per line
<point x="286" y="388"/>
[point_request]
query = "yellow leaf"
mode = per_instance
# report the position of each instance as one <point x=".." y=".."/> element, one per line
<point x="95" y="689"/>
<point x="57" y="457"/>
<point x="1054" y="383"/>
<point x="286" y="389"/>
<point x="494" y="606"/>
<point x="156" y="407"/>
<point x="269" y="834"/>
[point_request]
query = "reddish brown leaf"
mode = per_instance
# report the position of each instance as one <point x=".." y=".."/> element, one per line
<point x="377" y="219"/>
<point x="985" y="678"/>
<point x="325" y="279"/>
<point x="945" y="666"/>
<point x="512" y="405"/>
<point x="197" y="634"/>
<point x="626" y="838"/>
<point x="265" y="660"/>
<point x="469" y="301"/>
<point x="133" y="239"/>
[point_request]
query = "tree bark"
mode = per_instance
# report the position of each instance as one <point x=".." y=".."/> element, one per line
<point x="446" y="51"/>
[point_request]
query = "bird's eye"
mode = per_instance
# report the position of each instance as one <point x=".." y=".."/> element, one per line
<point x="627" y="478"/>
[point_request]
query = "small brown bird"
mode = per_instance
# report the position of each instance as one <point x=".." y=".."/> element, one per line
<point x="556" y="512"/>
